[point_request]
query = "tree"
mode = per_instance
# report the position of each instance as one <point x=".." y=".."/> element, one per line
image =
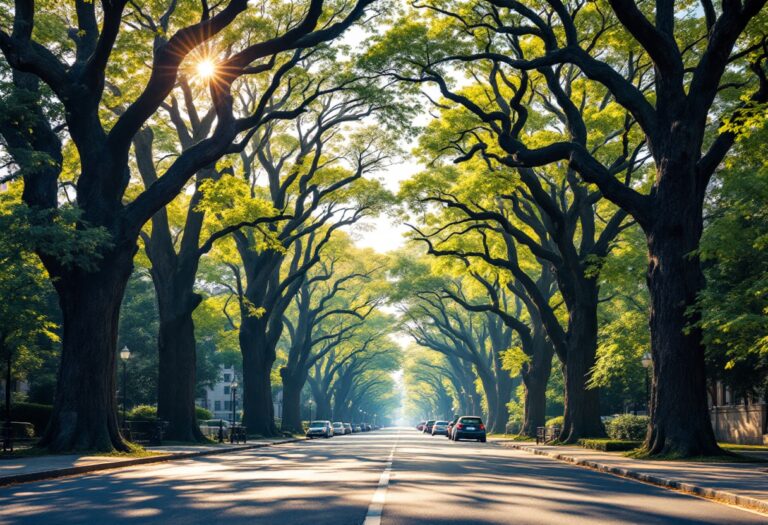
<point x="23" y="289"/>
<point x="331" y="305"/>
<point x="436" y="320"/>
<point x="674" y="80"/>
<point x="84" y="412"/>
<point x="317" y="175"/>
<point x="734" y="303"/>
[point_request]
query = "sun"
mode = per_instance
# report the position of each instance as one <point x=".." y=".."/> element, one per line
<point x="206" y="68"/>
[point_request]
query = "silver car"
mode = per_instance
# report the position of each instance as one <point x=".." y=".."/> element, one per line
<point x="440" y="428"/>
<point x="320" y="429"/>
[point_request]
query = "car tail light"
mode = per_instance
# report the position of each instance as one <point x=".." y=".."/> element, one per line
<point x="460" y="426"/>
<point x="482" y="427"/>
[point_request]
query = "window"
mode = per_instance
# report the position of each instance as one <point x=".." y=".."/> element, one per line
<point x="227" y="378"/>
<point x="217" y="405"/>
<point x="227" y="405"/>
<point x="226" y="391"/>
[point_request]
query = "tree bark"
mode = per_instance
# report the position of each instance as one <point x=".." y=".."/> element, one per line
<point x="491" y="398"/>
<point x="177" y="365"/>
<point x="258" y="358"/>
<point x="582" y="404"/>
<point x="680" y="422"/>
<point x="84" y="415"/>
<point x="535" y="378"/>
<point x="293" y="384"/>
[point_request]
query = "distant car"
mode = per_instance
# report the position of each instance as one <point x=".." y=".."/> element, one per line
<point x="449" y="428"/>
<point x="420" y="426"/>
<point x="469" y="427"/>
<point x="428" y="426"/>
<point x="367" y="427"/>
<point x="347" y="428"/>
<point x="320" y="429"/>
<point x="356" y="427"/>
<point x="338" y="428"/>
<point x="440" y="428"/>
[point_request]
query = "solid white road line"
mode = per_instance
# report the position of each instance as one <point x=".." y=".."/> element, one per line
<point x="375" y="509"/>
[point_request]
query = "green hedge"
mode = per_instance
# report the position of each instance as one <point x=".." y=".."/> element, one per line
<point x="610" y="445"/>
<point x="627" y="427"/>
<point x="555" y="421"/>
<point x="203" y="414"/>
<point x="142" y="413"/>
<point x="34" y="413"/>
<point x="149" y="413"/>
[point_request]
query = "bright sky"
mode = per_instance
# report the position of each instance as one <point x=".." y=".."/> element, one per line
<point x="384" y="233"/>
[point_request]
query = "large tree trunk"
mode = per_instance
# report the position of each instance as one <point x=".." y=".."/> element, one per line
<point x="680" y="422"/>
<point x="535" y="409"/>
<point x="582" y="404"/>
<point x="258" y="358"/>
<point x="535" y="378"/>
<point x="293" y="384"/>
<point x="177" y="365"/>
<point x="491" y="397"/>
<point x="504" y="386"/>
<point x="84" y="413"/>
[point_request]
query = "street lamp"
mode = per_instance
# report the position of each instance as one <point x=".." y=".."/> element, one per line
<point x="310" y="410"/>
<point x="233" y="388"/>
<point x="125" y="355"/>
<point x="647" y="362"/>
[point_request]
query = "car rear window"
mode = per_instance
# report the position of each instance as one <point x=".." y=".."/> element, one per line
<point x="441" y="422"/>
<point x="317" y="424"/>
<point x="472" y="421"/>
<point x="430" y="422"/>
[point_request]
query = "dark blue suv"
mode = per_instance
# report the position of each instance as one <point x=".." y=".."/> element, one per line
<point x="468" y="427"/>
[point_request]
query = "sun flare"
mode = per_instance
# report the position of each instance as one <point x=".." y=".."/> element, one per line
<point x="206" y="68"/>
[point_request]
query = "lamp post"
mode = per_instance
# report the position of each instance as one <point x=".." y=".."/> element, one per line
<point x="233" y="390"/>
<point x="7" y="433"/>
<point x="125" y="355"/>
<point x="647" y="361"/>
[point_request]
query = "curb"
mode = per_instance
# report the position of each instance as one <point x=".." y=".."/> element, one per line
<point x="722" y="496"/>
<point x="71" y="471"/>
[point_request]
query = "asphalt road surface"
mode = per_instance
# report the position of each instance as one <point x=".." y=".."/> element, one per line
<point x="392" y="477"/>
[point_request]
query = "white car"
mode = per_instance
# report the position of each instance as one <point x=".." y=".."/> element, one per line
<point x="320" y="429"/>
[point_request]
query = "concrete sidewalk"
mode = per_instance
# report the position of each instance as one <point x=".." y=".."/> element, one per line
<point x="34" y="468"/>
<point x="741" y="484"/>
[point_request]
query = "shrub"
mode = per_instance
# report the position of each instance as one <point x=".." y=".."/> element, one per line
<point x="610" y="445"/>
<point x="34" y="413"/>
<point x="555" y="421"/>
<point x="142" y="413"/>
<point x="628" y="427"/>
<point x="203" y="414"/>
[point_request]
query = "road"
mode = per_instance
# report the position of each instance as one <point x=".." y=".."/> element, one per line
<point x="344" y="479"/>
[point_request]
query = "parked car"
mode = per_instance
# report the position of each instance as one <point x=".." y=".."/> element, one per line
<point x="356" y="427"/>
<point x="428" y="426"/>
<point x="338" y="428"/>
<point x="320" y="429"/>
<point x="440" y="428"/>
<point x="420" y="426"/>
<point x="366" y="427"/>
<point x="449" y="428"/>
<point x="469" y="427"/>
<point x="347" y="428"/>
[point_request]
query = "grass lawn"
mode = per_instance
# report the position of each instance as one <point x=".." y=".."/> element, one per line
<point x="136" y="451"/>
<point x="512" y="437"/>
